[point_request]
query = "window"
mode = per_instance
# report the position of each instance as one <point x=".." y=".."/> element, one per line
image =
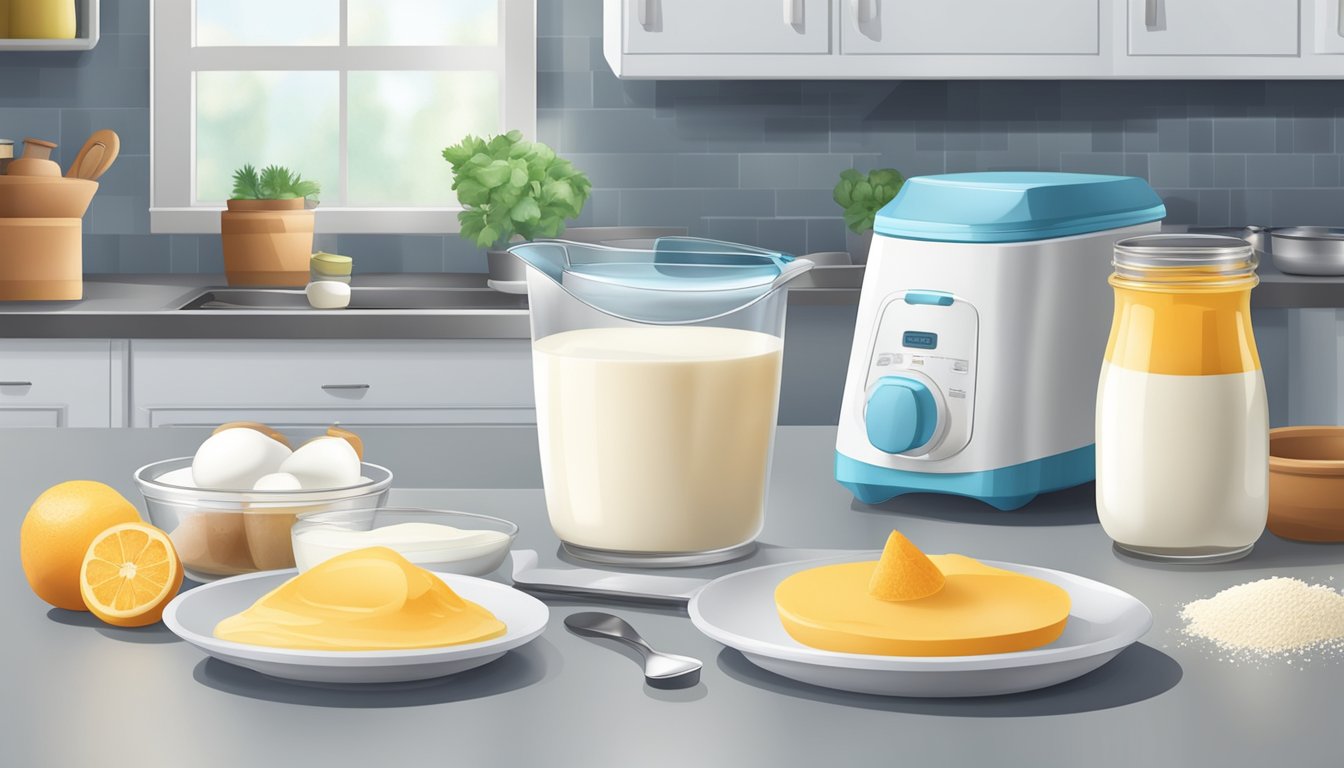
<point x="359" y="95"/>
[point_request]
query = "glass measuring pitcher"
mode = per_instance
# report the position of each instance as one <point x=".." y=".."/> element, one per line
<point x="657" y="388"/>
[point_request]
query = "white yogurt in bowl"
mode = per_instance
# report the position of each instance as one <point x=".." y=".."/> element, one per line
<point x="437" y="540"/>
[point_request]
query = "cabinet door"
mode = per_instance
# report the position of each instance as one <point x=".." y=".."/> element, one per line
<point x="1330" y="26"/>
<point x="970" y="27"/>
<point x="1213" y="27"/>
<point x="726" y="26"/>
<point x="314" y="383"/>
<point x="56" y="383"/>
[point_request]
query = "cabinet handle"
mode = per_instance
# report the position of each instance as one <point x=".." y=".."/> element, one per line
<point x="16" y="383"/>
<point x="644" y="11"/>
<point x="1150" y="13"/>
<point x="864" y="10"/>
<point x="344" y="386"/>
<point x="1339" y="21"/>
<point x="793" y="12"/>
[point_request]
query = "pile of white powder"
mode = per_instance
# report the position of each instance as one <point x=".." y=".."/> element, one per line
<point x="1270" y="617"/>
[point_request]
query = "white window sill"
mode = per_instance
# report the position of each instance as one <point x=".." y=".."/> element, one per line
<point x="371" y="221"/>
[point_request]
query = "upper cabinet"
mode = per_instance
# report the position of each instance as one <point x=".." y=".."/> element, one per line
<point x="1213" y="27"/>
<point x="953" y="27"/>
<point x="942" y="39"/>
<point x="690" y="27"/>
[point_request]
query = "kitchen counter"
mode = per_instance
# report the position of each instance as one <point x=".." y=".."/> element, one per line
<point x="147" y="306"/>
<point x="85" y="694"/>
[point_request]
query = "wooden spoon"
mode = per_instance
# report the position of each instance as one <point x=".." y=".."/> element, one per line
<point x="96" y="156"/>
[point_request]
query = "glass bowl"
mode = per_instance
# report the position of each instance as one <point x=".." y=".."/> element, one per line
<point x="313" y="542"/>
<point x="220" y="533"/>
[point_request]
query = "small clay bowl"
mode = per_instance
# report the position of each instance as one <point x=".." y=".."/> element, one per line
<point x="1306" y="483"/>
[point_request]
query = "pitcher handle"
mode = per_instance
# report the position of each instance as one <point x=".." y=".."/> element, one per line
<point x="790" y="270"/>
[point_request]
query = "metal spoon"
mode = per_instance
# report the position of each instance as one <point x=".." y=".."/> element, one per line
<point x="661" y="670"/>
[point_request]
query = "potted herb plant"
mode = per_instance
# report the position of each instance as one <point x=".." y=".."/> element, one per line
<point x="267" y="230"/>
<point x="862" y="196"/>
<point x="513" y="189"/>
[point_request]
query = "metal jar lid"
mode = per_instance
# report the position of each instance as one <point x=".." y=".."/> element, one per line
<point x="1146" y="256"/>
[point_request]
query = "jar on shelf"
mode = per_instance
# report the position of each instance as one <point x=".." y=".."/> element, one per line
<point x="1182" y="415"/>
<point x="41" y="19"/>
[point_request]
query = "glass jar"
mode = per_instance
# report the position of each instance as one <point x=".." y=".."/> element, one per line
<point x="1182" y="416"/>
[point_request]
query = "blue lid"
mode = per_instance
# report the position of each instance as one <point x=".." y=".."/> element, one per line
<point x="1009" y="207"/>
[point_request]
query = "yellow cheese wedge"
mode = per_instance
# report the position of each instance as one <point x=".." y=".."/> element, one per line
<point x="367" y="600"/>
<point x="904" y="573"/>
<point x="979" y="610"/>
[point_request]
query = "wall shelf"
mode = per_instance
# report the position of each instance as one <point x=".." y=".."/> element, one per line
<point x="86" y="33"/>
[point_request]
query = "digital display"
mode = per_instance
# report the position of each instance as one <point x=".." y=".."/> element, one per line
<point x="920" y="339"/>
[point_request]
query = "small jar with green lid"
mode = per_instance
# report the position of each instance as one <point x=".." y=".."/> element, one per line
<point x="330" y="266"/>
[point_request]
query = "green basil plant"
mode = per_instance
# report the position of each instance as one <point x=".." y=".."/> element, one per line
<point x="508" y="186"/>
<point x="862" y="196"/>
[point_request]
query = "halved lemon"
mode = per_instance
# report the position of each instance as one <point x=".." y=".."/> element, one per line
<point x="129" y="574"/>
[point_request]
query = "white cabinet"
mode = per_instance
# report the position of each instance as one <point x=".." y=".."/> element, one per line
<point x="1213" y="27"/>
<point x="949" y="27"/>
<point x="714" y="26"/>
<point x="1329" y="26"/>
<point x="61" y="383"/>
<point x="980" y="39"/>
<point x="317" y="382"/>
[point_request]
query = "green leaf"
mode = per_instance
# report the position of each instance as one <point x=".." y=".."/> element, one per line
<point x="495" y="174"/>
<point x="472" y="192"/>
<point x="525" y="210"/>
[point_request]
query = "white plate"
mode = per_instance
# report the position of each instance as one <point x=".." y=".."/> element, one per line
<point x="738" y="610"/>
<point x="193" y="615"/>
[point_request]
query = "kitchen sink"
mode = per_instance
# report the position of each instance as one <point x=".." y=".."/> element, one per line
<point x="361" y="297"/>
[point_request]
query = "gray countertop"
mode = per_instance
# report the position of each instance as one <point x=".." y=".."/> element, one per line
<point x="147" y="306"/>
<point x="82" y="694"/>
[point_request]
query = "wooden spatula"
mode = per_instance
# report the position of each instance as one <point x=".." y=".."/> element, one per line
<point x="96" y="156"/>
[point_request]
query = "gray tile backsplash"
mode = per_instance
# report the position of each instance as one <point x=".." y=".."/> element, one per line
<point x="749" y="161"/>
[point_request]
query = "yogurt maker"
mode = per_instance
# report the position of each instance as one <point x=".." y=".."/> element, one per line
<point x="981" y="328"/>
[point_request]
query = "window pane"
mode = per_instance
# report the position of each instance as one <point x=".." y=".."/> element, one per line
<point x="264" y="118"/>
<point x="423" y="22"/>
<point x="268" y="22"/>
<point x="399" y="124"/>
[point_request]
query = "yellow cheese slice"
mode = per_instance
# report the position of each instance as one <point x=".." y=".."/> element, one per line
<point x="979" y="610"/>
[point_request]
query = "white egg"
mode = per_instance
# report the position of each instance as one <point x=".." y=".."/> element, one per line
<point x="327" y="462"/>
<point x="235" y="459"/>
<point x="278" y="481"/>
<point x="179" y="477"/>
<point x="328" y="294"/>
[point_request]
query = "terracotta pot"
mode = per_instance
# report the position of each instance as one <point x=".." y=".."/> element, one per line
<point x="44" y="197"/>
<point x="267" y="242"/>
<point x="41" y="260"/>
<point x="1306" y="483"/>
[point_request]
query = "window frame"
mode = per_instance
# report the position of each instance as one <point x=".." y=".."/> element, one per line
<point x="174" y="60"/>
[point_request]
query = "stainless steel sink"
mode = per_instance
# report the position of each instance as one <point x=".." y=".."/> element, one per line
<point x="361" y="297"/>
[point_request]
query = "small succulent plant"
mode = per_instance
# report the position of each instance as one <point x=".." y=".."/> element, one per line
<point x="274" y="182"/>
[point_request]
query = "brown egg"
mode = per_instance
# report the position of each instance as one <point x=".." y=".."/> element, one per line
<point x="213" y="543"/>
<point x="270" y="432"/>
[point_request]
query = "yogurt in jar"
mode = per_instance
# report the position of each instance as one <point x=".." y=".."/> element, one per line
<point x="1182" y="415"/>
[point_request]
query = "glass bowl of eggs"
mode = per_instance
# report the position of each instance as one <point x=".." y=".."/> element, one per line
<point x="229" y="508"/>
